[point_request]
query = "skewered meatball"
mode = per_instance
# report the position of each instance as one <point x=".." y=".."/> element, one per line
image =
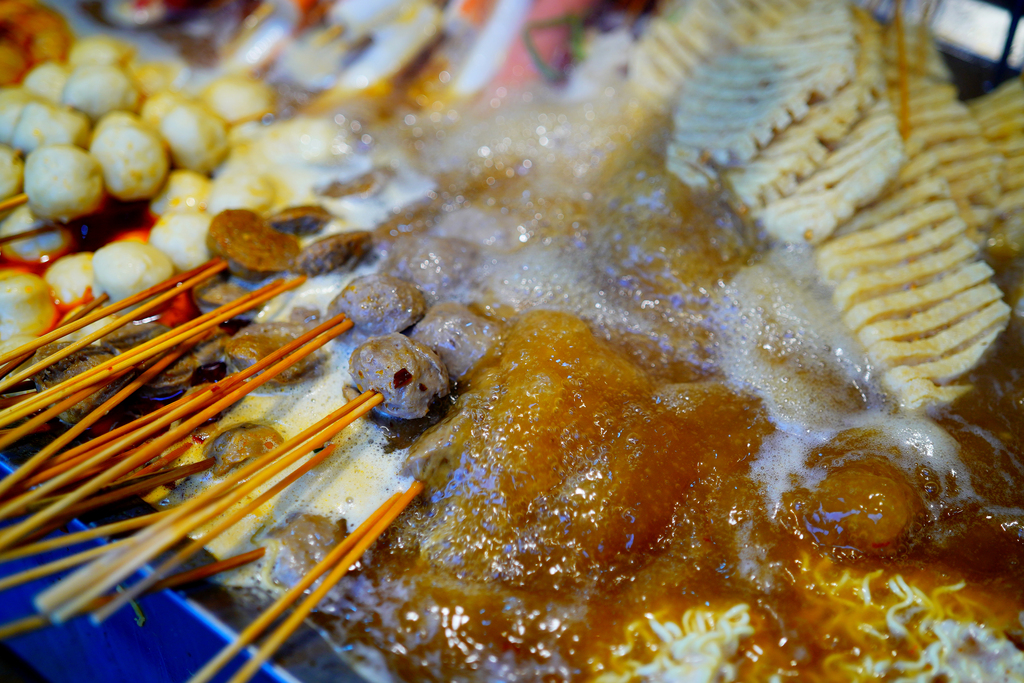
<point x="63" y="182"/>
<point x="78" y="362"/>
<point x="407" y="373"/>
<point x="456" y="334"/>
<point x="12" y="172"/>
<point x="133" y="334"/>
<point x="301" y="542"/>
<point x="183" y="191"/>
<point x="47" y="80"/>
<point x="42" y="123"/>
<point x="256" y="342"/>
<point x="252" y="248"/>
<point x="300" y="220"/>
<point x="132" y="156"/>
<point x="236" y="98"/>
<point x="26" y="305"/>
<point x="159" y="105"/>
<point x="434" y="265"/>
<point x="39" y="248"/>
<point x="12" y="102"/>
<point x="197" y="138"/>
<point x="125" y="268"/>
<point x="70" y="277"/>
<point x="241" y="443"/>
<point x="100" y="49"/>
<point x="337" y="252"/>
<point x="241" y="190"/>
<point x="207" y="358"/>
<point x="218" y="291"/>
<point x="182" y="237"/>
<point x="379" y="304"/>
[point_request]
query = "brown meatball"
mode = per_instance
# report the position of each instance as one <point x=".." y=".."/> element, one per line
<point x="256" y="342"/>
<point x="433" y="264"/>
<point x="133" y="334"/>
<point x="181" y="374"/>
<point x="407" y="373"/>
<point x="300" y="220"/>
<point x="301" y="542"/>
<point x="337" y="252"/>
<point x="80" y="361"/>
<point x="216" y="292"/>
<point x="456" y="334"/>
<point x="240" y="443"/>
<point x="252" y="248"/>
<point x="379" y="304"/>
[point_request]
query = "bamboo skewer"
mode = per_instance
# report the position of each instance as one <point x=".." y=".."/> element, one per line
<point x="294" y="593"/>
<point x="298" y="615"/>
<point x="59" y="565"/>
<point x="209" y="269"/>
<point x="73" y="315"/>
<point x="144" y="351"/>
<point x="290" y="452"/>
<point x="13" y="202"/>
<point x="38" y="621"/>
<point x="269" y="370"/>
<point x="67" y="540"/>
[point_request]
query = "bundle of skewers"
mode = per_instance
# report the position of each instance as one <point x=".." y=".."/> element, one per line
<point x="82" y="470"/>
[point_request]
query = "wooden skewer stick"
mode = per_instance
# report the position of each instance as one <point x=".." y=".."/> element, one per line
<point x="7" y="239"/>
<point x="282" y="633"/>
<point x="66" y="540"/>
<point x="12" y="202"/>
<point x="59" y="565"/>
<point x="210" y="268"/>
<point x="257" y="627"/>
<point x="268" y="369"/>
<point x="37" y="621"/>
<point x="175" y="531"/>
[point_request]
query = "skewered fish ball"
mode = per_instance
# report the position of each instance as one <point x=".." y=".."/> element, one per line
<point x="183" y="191"/>
<point x="12" y="172"/>
<point x="70" y="277"/>
<point x="14" y="342"/>
<point x="153" y="77"/>
<point x="63" y="182"/>
<point x="42" y="123"/>
<point x="47" y="80"/>
<point x="157" y="106"/>
<point x="25" y="301"/>
<point x="124" y="268"/>
<point x="132" y="156"/>
<point x="236" y="98"/>
<point x="98" y="89"/>
<point x="198" y="139"/>
<point x="12" y="102"/>
<point x="241" y="190"/>
<point x="182" y="237"/>
<point x="38" y="248"/>
<point x="100" y="49"/>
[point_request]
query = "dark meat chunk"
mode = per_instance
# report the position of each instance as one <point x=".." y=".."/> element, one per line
<point x="365" y="185"/>
<point x="181" y="374"/>
<point x="256" y="342"/>
<point x="301" y="542"/>
<point x="133" y="334"/>
<point x="300" y="220"/>
<point x="80" y="361"/>
<point x="240" y="443"/>
<point x="218" y="291"/>
<point x="435" y="265"/>
<point x="456" y="334"/>
<point x="379" y="304"/>
<point x="252" y="248"/>
<point x="337" y="252"/>
<point x="407" y="373"/>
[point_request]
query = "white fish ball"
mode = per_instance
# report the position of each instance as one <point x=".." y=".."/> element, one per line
<point x="241" y="190"/>
<point x="183" y="191"/>
<point x="26" y="305"/>
<point x="42" y="123"/>
<point x="237" y="98"/>
<point x="124" y="268"/>
<point x="100" y="49"/>
<point x="47" y="80"/>
<point x="158" y="105"/>
<point x="306" y="140"/>
<point x="182" y="237"/>
<point x="98" y="89"/>
<point x="12" y="102"/>
<point x="132" y="156"/>
<point x="63" y="182"/>
<point x="12" y="172"/>
<point x="70" y="277"/>
<point x="152" y="77"/>
<point x="14" y="342"/>
<point x="198" y="139"/>
<point x="40" y="248"/>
